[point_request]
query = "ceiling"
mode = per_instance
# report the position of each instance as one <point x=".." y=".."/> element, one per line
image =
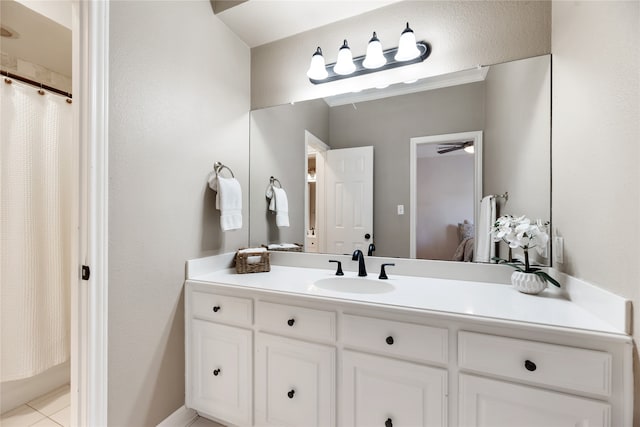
<point x="259" y="22"/>
<point x="36" y="38"/>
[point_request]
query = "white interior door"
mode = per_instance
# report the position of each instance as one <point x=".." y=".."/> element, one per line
<point x="349" y="199"/>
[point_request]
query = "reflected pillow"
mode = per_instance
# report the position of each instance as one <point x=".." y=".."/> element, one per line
<point x="465" y="230"/>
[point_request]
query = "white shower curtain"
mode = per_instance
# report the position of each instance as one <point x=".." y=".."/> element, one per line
<point x="35" y="212"/>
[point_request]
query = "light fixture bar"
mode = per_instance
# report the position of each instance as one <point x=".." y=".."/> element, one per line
<point x="425" y="51"/>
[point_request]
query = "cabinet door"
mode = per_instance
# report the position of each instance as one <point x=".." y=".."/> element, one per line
<point x="220" y="382"/>
<point x="487" y="402"/>
<point x="295" y="383"/>
<point x="382" y="392"/>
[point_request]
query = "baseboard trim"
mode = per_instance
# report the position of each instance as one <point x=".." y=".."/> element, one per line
<point x="182" y="417"/>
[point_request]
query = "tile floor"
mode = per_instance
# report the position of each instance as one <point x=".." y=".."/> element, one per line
<point x="203" y="422"/>
<point x="50" y="410"/>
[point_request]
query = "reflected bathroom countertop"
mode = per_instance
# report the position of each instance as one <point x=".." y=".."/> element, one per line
<point x="452" y="297"/>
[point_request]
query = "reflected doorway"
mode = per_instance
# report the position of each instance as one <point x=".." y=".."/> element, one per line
<point x="445" y="192"/>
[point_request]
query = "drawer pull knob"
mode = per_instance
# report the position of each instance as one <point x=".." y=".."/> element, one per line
<point x="290" y="322"/>
<point x="216" y="308"/>
<point x="389" y="340"/>
<point x="216" y="372"/>
<point x="388" y="423"/>
<point x="291" y="393"/>
<point x="529" y="365"/>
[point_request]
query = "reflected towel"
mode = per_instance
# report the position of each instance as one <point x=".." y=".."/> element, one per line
<point x="228" y="201"/>
<point x="486" y="248"/>
<point x="280" y="205"/>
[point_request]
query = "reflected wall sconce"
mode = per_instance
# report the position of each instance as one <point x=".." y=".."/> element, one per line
<point x="376" y="59"/>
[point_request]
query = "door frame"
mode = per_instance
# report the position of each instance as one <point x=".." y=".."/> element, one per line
<point x="476" y="136"/>
<point x="321" y="148"/>
<point x="89" y="298"/>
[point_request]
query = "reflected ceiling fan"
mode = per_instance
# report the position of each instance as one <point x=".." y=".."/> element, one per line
<point x="448" y="147"/>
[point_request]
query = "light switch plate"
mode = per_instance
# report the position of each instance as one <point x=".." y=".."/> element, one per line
<point x="400" y="209"/>
<point x="558" y="249"/>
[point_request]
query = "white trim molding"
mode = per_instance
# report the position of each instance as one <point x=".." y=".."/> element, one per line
<point x="90" y="297"/>
<point x="181" y="417"/>
<point x="476" y="136"/>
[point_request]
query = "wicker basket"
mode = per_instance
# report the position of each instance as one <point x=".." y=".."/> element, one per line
<point x="298" y="249"/>
<point x="243" y="265"/>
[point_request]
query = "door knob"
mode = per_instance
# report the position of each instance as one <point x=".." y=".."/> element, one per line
<point x="367" y="236"/>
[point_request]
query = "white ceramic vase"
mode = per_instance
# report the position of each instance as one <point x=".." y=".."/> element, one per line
<point x="528" y="283"/>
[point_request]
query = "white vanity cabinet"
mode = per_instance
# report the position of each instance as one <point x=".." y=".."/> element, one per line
<point x="219" y="357"/>
<point x="259" y="357"/>
<point x="490" y="402"/>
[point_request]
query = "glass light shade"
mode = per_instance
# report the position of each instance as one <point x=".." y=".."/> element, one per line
<point x="375" y="57"/>
<point x="317" y="70"/>
<point x="469" y="149"/>
<point x="344" y="65"/>
<point x="407" y="49"/>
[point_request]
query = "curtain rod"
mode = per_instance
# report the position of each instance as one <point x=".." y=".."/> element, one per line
<point x="36" y="84"/>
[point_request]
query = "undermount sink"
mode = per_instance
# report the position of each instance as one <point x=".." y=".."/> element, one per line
<point x="355" y="285"/>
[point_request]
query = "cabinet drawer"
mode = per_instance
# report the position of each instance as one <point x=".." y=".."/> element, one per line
<point x="396" y="338"/>
<point x="221" y="308"/>
<point x="296" y="321"/>
<point x="569" y="368"/>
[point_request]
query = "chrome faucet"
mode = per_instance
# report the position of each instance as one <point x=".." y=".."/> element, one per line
<point x="359" y="256"/>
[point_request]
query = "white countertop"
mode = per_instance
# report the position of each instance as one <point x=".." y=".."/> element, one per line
<point x="458" y="297"/>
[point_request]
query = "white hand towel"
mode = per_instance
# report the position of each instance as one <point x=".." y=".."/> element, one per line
<point x="485" y="247"/>
<point x="228" y="201"/>
<point x="280" y="205"/>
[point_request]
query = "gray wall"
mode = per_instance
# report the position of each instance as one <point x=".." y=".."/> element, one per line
<point x="596" y="147"/>
<point x="463" y="34"/>
<point x="179" y="101"/>
<point x="278" y="149"/>
<point x="517" y="139"/>
<point x="388" y="124"/>
<point x="444" y="198"/>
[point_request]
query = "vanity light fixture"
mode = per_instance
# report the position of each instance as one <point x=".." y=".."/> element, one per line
<point x="408" y="52"/>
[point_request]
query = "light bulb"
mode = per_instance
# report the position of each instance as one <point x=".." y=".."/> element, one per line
<point x="375" y="57"/>
<point x="407" y="49"/>
<point x="344" y="64"/>
<point x="317" y="70"/>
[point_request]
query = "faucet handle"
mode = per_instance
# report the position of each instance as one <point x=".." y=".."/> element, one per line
<point x="383" y="273"/>
<point x="339" y="270"/>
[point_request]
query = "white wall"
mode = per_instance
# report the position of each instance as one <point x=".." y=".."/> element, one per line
<point x="179" y="101"/>
<point x="444" y="198"/>
<point x="462" y="34"/>
<point x="596" y="140"/>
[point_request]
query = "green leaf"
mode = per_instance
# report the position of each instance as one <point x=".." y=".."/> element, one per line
<point x="548" y="278"/>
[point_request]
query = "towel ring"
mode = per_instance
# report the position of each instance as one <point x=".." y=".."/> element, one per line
<point x="273" y="180"/>
<point x="217" y="167"/>
<point x="269" y="191"/>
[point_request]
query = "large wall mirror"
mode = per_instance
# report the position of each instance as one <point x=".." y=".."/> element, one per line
<point x="352" y="165"/>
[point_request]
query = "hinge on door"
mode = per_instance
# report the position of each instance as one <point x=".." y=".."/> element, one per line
<point x="86" y="272"/>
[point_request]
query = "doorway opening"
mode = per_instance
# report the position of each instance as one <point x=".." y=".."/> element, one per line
<point x="445" y="192"/>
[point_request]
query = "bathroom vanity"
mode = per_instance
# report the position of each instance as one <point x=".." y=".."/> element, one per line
<point x="303" y="347"/>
